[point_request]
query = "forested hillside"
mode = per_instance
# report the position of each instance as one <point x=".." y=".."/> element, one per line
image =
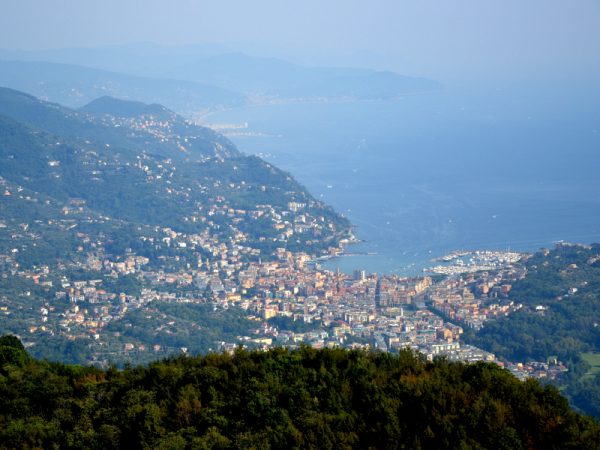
<point x="126" y="162"/>
<point x="560" y="318"/>
<point x="282" y="399"/>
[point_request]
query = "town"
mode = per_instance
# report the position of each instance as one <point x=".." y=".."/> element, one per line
<point x="291" y="300"/>
<point x="230" y="258"/>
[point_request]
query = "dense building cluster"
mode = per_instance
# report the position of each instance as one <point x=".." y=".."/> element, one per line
<point x="288" y="296"/>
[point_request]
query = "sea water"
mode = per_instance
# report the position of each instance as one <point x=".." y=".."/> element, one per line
<point x="425" y="174"/>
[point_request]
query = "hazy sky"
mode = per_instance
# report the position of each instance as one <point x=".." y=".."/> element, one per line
<point x="443" y="38"/>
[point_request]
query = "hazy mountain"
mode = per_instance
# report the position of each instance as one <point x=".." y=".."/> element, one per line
<point x="276" y="77"/>
<point x="106" y="131"/>
<point x="75" y="86"/>
<point x="239" y="72"/>
<point x="125" y="108"/>
<point x="141" y="59"/>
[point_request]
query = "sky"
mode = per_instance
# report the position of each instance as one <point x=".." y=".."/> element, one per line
<point x="448" y="39"/>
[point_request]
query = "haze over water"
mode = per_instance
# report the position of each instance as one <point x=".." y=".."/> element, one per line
<point x="418" y="177"/>
<point x="426" y="174"/>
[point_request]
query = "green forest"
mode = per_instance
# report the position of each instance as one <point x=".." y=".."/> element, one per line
<point x="305" y="398"/>
<point x="560" y="318"/>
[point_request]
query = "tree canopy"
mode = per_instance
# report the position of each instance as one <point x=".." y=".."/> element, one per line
<point x="282" y="399"/>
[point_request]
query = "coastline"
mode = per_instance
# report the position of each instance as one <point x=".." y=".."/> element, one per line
<point x="404" y="220"/>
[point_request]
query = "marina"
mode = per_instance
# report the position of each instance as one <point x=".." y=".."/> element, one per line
<point x="458" y="262"/>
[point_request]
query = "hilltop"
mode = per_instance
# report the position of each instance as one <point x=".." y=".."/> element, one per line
<point x="132" y="135"/>
<point x="126" y="108"/>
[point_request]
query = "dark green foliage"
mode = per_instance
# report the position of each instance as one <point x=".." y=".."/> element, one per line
<point x="585" y="393"/>
<point x="198" y="327"/>
<point x="569" y="322"/>
<point x="286" y="399"/>
<point x="568" y="325"/>
<point x="12" y="352"/>
<point x="288" y="324"/>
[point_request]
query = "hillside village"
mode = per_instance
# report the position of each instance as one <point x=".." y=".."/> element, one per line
<point x="120" y="272"/>
<point x="319" y="307"/>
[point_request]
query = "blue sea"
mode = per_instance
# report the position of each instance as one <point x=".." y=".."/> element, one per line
<point x="496" y="168"/>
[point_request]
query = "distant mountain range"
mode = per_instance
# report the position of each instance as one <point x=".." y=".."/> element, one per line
<point x="278" y="78"/>
<point x="75" y="86"/>
<point x="189" y="80"/>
